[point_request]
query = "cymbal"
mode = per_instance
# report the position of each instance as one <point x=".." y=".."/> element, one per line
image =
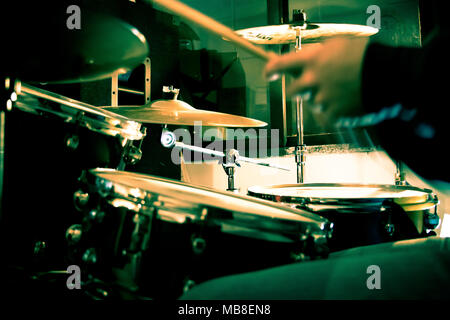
<point x="286" y="33"/>
<point x="49" y="52"/>
<point x="177" y="112"/>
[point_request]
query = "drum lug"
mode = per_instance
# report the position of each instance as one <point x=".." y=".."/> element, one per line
<point x="141" y="234"/>
<point x="431" y="221"/>
<point x="188" y="285"/>
<point x="90" y="256"/>
<point x="96" y="215"/>
<point x="390" y="229"/>
<point x="72" y="142"/>
<point x="298" y="256"/>
<point x="198" y="244"/>
<point x="80" y="200"/>
<point x="73" y="234"/>
<point x="39" y="248"/>
<point x="133" y="155"/>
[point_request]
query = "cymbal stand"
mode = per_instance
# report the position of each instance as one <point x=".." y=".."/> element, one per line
<point x="230" y="160"/>
<point x="229" y="165"/>
<point x="299" y="18"/>
<point x="131" y="154"/>
<point x="400" y="177"/>
<point x="7" y="96"/>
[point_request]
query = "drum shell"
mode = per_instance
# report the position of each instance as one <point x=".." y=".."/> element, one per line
<point x="164" y="266"/>
<point x="40" y="176"/>
<point x="187" y="240"/>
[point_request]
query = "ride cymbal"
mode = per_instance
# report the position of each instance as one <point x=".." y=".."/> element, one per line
<point x="286" y="33"/>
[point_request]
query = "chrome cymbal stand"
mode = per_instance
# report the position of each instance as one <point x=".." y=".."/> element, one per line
<point x="131" y="154"/>
<point x="7" y="96"/>
<point x="230" y="160"/>
<point x="299" y="19"/>
<point x="229" y="165"/>
<point x="400" y="175"/>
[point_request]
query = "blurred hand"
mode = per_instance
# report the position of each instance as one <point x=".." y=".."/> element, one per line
<point x="327" y="75"/>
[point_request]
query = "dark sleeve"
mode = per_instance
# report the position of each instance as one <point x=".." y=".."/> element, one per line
<point x="414" y="83"/>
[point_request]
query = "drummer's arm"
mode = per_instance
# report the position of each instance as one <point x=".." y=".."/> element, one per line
<point x="404" y="93"/>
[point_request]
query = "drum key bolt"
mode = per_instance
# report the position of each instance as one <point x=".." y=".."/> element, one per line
<point x="80" y="199"/>
<point x="72" y="142"/>
<point x="198" y="244"/>
<point x="73" y="234"/>
<point x="90" y="256"/>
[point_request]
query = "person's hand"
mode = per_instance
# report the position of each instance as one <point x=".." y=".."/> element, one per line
<point x="327" y="75"/>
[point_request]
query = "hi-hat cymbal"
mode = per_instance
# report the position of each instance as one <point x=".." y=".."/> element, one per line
<point x="46" y="50"/>
<point x="286" y="33"/>
<point x="176" y="112"/>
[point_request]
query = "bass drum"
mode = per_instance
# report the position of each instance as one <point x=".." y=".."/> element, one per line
<point x="50" y="139"/>
<point x="156" y="237"/>
<point x="361" y="214"/>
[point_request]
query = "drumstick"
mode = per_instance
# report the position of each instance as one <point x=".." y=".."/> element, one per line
<point x="211" y="25"/>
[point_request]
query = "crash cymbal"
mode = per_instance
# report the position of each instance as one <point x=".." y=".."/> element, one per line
<point x="46" y="50"/>
<point x="177" y="112"/>
<point x="286" y="33"/>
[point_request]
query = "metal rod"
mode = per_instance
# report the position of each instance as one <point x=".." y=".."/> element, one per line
<point x="220" y="154"/>
<point x="300" y="148"/>
<point x="2" y="156"/>
<point x="131" y="91"/>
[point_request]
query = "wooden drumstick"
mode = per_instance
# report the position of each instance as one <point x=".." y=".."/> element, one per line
<point x="212" y="25"/>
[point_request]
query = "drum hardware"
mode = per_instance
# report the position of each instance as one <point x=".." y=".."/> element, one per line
<point x="5" y="105"/>
<point x="140" y="210"/>
<point x="90" y="256"/>
<point x="361" y="214"/>
<point x="229" y="165"/>
<point x="73" y="234"/>
<point x="67" y="125"/>
<point x="198" y="240"/>
<point x="32" y="99"/>
<point x="389" y="226"/>
<point x="171" y="89"/>
<point x="229" y="160"/>
<point x="131" y="154"/>
<point x="115" y="89"/>
<point x="85" y="115"/>
<point x="220" y="155"/>
<point x="400" y="175"/>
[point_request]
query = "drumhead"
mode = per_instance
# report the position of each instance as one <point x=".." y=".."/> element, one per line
<point x="184" y="199"/>
<point x="326" y="193"/>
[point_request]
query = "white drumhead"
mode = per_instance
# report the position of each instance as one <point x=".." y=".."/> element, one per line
<point x="338" y="191"/>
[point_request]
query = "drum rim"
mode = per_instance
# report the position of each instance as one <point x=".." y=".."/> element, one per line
<point x="427" y="193"/>
<point x="85" y="115"/>
<point x="308" y="218"/>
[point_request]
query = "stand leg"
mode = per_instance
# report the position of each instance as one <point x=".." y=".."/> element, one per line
<point x="2" y="156"/>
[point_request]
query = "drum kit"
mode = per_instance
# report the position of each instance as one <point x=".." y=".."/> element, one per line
<point x="135" y="235"/>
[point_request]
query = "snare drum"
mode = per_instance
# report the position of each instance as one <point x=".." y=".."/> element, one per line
<point x="361" y="214"/>
<point x="50" y="139"/>
<point x="158" y="237"/>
